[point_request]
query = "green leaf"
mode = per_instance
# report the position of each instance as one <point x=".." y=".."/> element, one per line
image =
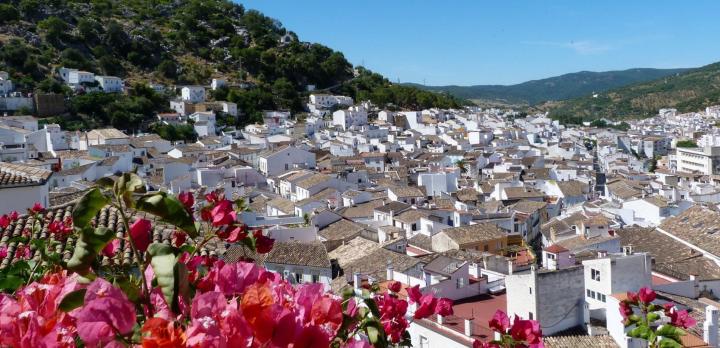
<point x="652" y="317"/>
<point x="669" y="343"/>
<point x="72" y="300"/>
<point x="373" y="307"/>
<point x="169" y="209"/>
<point x="375" y="333"/>
<point x="126" y="185"/>
<point x="10" y="282"/>
<point x="88" y="207"/>
<point x="168" y="272"/>
<point x="106" y="182"/>
<point x="91" y="242"/>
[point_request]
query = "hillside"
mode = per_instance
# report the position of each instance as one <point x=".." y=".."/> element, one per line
<point x="176" y="42"/>
<point x="690" y="91"/>
<point x="554" y="88"/>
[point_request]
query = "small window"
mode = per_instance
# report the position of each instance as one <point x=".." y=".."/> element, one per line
<point x="530" y="289"/>
<point x="595" y="274"/>
<point x="460" y="283"/>
<point x="602" y="297"/>
<point x="486" y="247"/>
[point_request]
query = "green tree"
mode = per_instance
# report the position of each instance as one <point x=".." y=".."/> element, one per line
<point x="8" y="13"/>
<point x="686" y="143"/>
<point x="168" y="68"/>
<point x="54" y="28"/>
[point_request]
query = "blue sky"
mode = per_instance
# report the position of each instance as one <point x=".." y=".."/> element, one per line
<point x="468" y="42"/>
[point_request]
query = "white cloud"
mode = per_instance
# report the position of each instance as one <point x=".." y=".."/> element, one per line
<point x="584" y="47"/>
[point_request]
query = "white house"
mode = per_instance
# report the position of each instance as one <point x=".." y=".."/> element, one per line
<point x="22" y="186"/>
<point x="300" y="262"/>
<point x="353" y="116"/>
<point x="110" y="84"/>
<point x="614" y="273"/>
<point x="274" y="162"/>
<point x="193" y="94"/>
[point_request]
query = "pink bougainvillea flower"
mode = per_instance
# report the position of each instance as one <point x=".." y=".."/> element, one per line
<point x="327" y="312"/>
<point x="444" y="307"/>
<point x="310" y="337"/>
<point x="526" y="330"/>
<point x="646" y="295"/>
<point x="161" y="333"/>
<point x="625" y="309"/>
<point x="14" y="215"/>
<point x="188" y="200"/>
<point x="59" y="229"/>
<point x="681" y="319"/>
<point x="3" y="252"/>
<point x="359" y="343"/>
<point x="414" y="294"/>
<point x="426" y="306"/>
<point x="233" y="234"/>
<point x="263" y="244"/>
<point x="500" y="322"/>
<point x="106" y="313"/>
<point x="141" y="233"/>
<point x="111" y="248"/>
<point x="394" y="286"/>
<point x="4" y="221"/>
<point x="223" y="213"/>
<point x="392" y="315"/>
<point x="632" y="297"/>
<point x="178" y="238"/>
<point x="233" y="278"/>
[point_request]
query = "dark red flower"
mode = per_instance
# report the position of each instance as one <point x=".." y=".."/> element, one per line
<point x="212" y="197"/>
<point x="141" y="233"/>
<point x="188" y="200"/>
<point x="14" y="215"/>
<point x="526" y="330"/>
<point x="395" y="286"/>
<point x="681" y="319"/>
<point x="263" y="244"/>
<point x="426" y="306"/>
<point x="233" y="234"/>
<point x="414" y="294"/>
<point x="646" y="295"/>
<point x="444" y="307"/>
<point x="223" y="213"/>
<point x="625" y="309"/>
<point x="500" y="322"/>
<point x="37" y="208"/>
<point x="4" y="221"/>
<point x="178" y="238"/>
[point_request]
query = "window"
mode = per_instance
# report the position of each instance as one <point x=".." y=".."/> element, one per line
<point x="530" y="290"/>
<point x="602" y="297"/>
<point x="595" y="274"/>
<point x="315" y="278"/>
<point x="424" y="343"/>
<point x="530" y="316"/>
<point x="460" y="282"/>
<point x="486" y="247"/>
<point x="414" y="227"/>
<point x="551" y="256"/>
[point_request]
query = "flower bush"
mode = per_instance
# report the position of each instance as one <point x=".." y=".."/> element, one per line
<point x="173" y="295"/>
<point x="659" y="325"/>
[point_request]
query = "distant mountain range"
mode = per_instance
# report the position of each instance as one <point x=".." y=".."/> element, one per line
<point x="691" y="90"/>
<point x="573" y="85"/>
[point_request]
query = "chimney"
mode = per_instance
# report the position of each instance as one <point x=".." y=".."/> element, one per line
<point x="602" y="253"/>
<point x="439" y="319"/>
<point x="390" y="272"/>
<point x="468" y="327"/>
<point x="428" y="279"/>
<point x="628" y="250"/>
<point x="510" y="267"/>
<point x="710" y="326"/>
<point x="357" y="280"/>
